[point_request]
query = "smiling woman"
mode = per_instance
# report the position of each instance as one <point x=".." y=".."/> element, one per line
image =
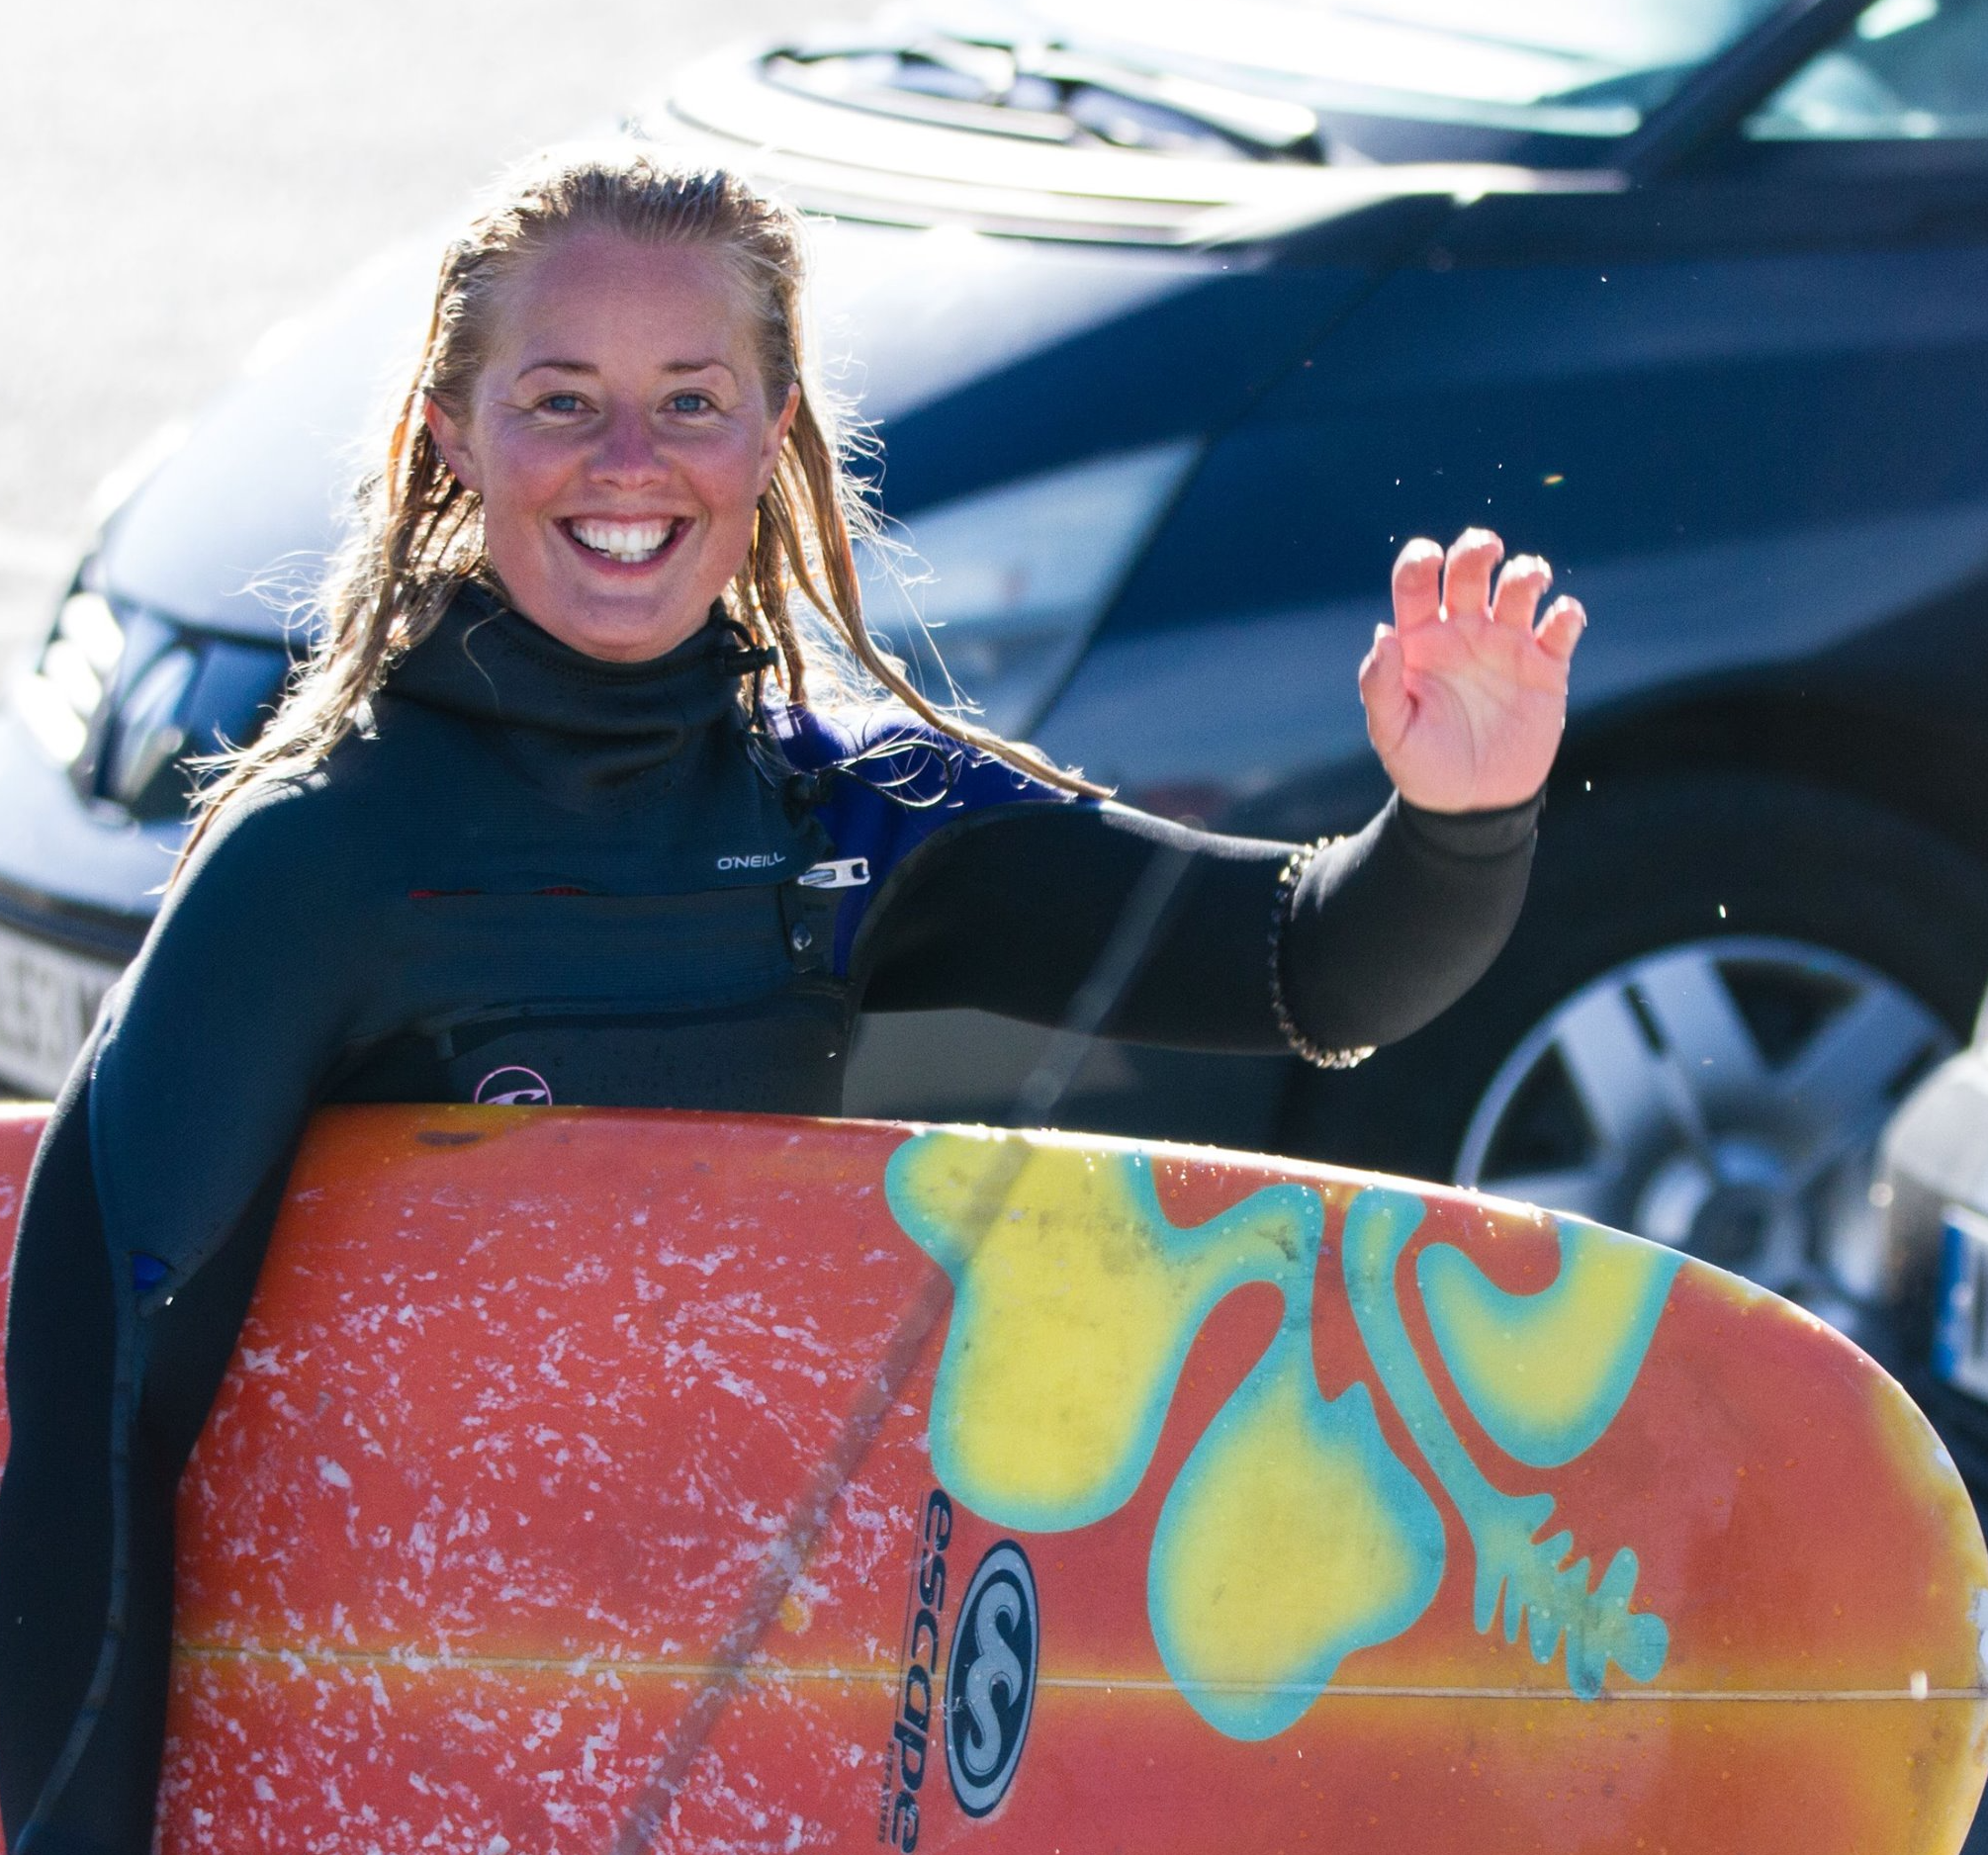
<point x="619" y="436"/>
<point x="616" y="346"/>
<point x="574" y="805"/>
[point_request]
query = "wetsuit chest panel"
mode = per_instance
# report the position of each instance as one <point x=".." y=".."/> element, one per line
<point x="597" y="900"/>
<point x="784" y="1056"/>
<point x="685" y="1000"/>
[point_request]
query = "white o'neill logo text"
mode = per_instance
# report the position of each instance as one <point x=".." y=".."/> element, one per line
<point x="760" y="860"/>
<point x="513" y="1088"/>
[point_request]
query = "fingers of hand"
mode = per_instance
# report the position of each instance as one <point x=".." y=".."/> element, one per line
<point x="1560" y="630"/>
<point x="1520" y="588"/>
<point x="1384" y="688"/>
<point x="1418" y="584"/>
<point x="1383" y="662"/>
<point x="1467" y="574"/>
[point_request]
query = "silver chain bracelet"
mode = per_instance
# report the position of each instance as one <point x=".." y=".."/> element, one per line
<point x="1294" y="866"/>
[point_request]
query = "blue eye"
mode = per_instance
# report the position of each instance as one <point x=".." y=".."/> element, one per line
<point x="689" y="401"/>
<point x="561" y="403"/>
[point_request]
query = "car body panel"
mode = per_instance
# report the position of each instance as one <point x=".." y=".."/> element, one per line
<point x="1742" y="460"/>
<point x="230" y="531"/>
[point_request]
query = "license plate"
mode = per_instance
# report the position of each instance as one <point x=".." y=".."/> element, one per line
<point x="49" y="1001"/>
<point x="1960" y="1339"/>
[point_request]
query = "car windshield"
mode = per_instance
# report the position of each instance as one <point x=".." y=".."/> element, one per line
<point x="1582" y="67"/>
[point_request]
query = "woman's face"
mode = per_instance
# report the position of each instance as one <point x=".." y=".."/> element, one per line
<point x="620" y="438"/>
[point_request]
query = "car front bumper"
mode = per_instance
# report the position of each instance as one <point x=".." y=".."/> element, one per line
<point x="78" y="887"/>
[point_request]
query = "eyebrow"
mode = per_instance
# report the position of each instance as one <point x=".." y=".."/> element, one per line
<point x="587" y="367"/>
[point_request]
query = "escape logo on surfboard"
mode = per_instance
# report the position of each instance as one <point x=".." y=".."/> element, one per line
<point x="988" y="1680"/>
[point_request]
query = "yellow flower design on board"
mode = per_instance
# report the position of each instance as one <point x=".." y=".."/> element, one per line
<point x="1292" y="1535"/>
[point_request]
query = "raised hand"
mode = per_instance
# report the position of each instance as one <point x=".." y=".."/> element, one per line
<point x="1466" y="697"/>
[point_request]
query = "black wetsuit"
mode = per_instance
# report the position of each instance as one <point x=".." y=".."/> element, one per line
<point x="542" y="877"/>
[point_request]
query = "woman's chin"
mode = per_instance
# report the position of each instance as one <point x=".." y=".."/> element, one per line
<point x="619" y="631"/>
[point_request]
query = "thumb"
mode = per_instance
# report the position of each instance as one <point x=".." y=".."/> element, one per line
<point x="1384" y="689"/>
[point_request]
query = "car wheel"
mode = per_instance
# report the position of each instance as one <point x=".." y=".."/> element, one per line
<point x="1719" y="990"/>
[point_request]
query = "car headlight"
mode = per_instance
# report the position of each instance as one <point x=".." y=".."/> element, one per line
<point x="61" y="695"/>
<point x="120" y="698"/>
<point x="1000" y="589"/>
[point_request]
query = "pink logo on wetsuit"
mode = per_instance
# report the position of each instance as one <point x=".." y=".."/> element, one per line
<point x="512" y="1088"/>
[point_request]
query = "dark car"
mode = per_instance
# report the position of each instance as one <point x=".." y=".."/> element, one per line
<point x="1174" y="322"/>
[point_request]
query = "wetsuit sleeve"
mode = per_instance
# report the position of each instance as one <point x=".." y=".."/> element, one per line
<point x="153" y="1192"/>
<point x="1016" y="910"/>
<point x="219" y="1037"/>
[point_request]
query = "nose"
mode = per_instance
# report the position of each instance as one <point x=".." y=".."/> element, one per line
<point x="629" y="449"/>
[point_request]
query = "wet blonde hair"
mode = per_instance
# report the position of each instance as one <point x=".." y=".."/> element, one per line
<point x="419" y="536"/>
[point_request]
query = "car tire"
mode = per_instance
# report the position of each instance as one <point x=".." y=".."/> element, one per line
<point x="1757" y="882"/>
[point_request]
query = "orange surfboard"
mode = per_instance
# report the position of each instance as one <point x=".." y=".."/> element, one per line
<point x="598" y="1481"/>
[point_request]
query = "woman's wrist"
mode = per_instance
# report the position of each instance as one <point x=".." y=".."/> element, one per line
<point x="1496" y="830"/>
<point x="1285" y="899"/>
<point x="1428" y="863"/>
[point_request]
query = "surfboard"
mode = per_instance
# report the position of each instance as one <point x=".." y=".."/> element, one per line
<point x="596" y="1481"/>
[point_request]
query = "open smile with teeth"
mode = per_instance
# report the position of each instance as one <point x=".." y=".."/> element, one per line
<point x="632" y="544"/>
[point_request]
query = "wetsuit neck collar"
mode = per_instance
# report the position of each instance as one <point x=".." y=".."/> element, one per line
<point x="486" y="663"/>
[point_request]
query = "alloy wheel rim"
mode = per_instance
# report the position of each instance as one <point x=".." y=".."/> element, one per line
<point x="1723" y="1096"/>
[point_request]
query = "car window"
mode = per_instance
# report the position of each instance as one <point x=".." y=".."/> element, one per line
<point x="1566" y="66"/>
<point x="1907" y="71"/>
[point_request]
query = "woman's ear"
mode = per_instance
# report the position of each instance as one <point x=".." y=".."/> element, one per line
<point x="452" y="440"/>
<point x="776" y="435"/>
